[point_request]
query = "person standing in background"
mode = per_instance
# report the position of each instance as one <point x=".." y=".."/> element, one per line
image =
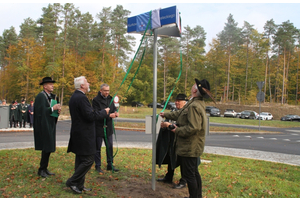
<point x="30" y="114"/>
<point x="23" y="113"/>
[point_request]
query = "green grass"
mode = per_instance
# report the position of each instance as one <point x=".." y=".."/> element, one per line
<point x="225" y="177"/>
<point x="238" y="121"/>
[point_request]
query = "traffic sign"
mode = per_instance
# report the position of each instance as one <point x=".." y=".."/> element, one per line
<point x="260" y="84"/>
<point x="116" y="99"/>
<point x="260" y="96"/>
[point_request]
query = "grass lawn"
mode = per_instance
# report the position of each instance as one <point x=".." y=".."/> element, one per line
<point x="223" y="177"/>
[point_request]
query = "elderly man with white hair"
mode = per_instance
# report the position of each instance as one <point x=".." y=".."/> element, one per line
<point x="82" y="136"/>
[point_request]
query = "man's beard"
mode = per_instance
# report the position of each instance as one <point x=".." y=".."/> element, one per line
<point x="89" y="89"/>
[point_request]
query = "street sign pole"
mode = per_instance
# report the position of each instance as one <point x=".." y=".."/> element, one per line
<point x="154" y="109"/>
<point x="260" y="97"/>
<point x="259" y="116"/>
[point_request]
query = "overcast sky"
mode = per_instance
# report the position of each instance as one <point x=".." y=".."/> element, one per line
<point x="211" y="16"/>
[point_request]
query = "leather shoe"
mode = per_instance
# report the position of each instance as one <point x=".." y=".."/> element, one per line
<point x="110" y="168"/>
<point x="75" y="189"/>
<point x="179" y="186"/>
<point x="42" y="173"/>
<point x="164" y="180"/>
<point x="98" y="169"/>
<point x="86" y="189"/>
<point x="49" y="173"/>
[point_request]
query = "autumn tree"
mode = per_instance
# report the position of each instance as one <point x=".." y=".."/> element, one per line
<point x="230" y="39"/>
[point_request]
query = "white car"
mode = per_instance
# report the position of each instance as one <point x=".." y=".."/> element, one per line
<point x="229" y="113"/>
<point x="265" y="116"/>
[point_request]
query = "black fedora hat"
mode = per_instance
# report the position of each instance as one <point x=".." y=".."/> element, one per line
<point x="181" y="97"/>
<point x="204" y="87"/>
<point x="47" y="80"/>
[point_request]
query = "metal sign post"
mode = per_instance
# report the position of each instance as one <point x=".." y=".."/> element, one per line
<point x="154" y="108"/>
<point x="164" y="23"/>
<point x="260" y="97"/>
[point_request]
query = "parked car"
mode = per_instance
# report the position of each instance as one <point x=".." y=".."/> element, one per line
<point x="208" y="108"/>
<point x="253" y="115"/>
<point x="158" y="105"/>
<point x="229" y="113"/>
<point x="265" y="116"/>
<point x="215" y="112"/>
<point x="170" y="106"/>
<point x="245" y="114"/>
<point x="238" y="115"/>
<point x="290" y="118"/>
<point x="136" y="104"/>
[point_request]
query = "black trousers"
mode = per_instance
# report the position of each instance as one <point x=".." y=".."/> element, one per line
<point x="109" y="150"/>
<point x="44" y="160"/>
<point x="170" y="173"/>
<point x="83" y="164"/>
<point x="13" y="120"/>
<point x="22" y="122"/>
<point x="191" y="174"/>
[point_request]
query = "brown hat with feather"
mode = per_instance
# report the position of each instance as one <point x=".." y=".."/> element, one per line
<point x="204" y="87"/>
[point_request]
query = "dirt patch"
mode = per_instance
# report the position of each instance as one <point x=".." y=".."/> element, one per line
<point x="136" y="187"/>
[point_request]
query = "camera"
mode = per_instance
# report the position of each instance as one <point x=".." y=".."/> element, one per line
<point x="171" y="127"/>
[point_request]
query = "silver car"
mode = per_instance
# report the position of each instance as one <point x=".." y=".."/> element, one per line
<point x="229" y="113"/>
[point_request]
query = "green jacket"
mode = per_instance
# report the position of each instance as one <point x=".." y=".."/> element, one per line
<point x="44" y="125"/>
<point x="192" y="124"/>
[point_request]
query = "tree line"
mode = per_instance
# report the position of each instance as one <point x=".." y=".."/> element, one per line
<point x="65" y="43"/>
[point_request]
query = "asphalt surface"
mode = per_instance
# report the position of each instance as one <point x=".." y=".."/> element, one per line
<point x="282" y="146"/>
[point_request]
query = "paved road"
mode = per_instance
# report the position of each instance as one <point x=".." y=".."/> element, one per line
<point x="282" y="147"/>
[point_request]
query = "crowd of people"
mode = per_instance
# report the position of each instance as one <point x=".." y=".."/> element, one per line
<point x="20" y="114"/>
<point x="180" y="141"/>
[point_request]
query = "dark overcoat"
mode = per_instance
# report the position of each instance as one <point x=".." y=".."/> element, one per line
<point x="100" y="103"/>
<point x="23" y="107"/>
<point x="83" y="136"/>
<point x="29" y="115"/>
<point x="165" y="152"/>
<point x="44" y="125"/>
<point x="13" y="112"/>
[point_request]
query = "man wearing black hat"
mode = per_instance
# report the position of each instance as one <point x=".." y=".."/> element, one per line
<point x="44" y="124"/>
<point x="22" y="113"/>
<point x="190" y="128"/>
<point x="165" y="152"/>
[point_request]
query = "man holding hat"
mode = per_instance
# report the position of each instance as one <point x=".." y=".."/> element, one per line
<point x="190" y="128"/>
<point x="44" y="124"/>
<point x="165" y="152"/>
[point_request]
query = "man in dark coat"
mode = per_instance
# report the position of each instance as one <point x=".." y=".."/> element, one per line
<point x="13" y="114"/>
<point x="22" y="113"/>
<point x="82" y="136"/>
<point x="30" y="114"/>
<point x="165" y="152"/>
<point x="44" y="125"/>
<point x="104" y="131"/>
